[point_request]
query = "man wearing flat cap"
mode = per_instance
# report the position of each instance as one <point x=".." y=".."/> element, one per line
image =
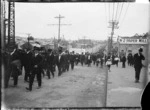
<point x="138" y="57"/>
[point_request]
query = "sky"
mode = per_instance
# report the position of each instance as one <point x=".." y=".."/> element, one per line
<point x="89" y="20"/>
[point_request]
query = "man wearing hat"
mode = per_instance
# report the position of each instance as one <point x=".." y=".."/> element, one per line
<point x="50" y="62"/>
<point x="123" y="61"/>
<point x="138" y="57"/>
<point x="36" y="69"/>
<point x="27" y="64"/>
<point x="67" y="60"/>
<point x="15" y="65"/>
<point x="72" y="60"/>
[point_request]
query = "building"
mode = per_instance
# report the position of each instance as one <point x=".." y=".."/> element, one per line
<point x="77" y="50"/>
<point x="82" y="43"/>
<point x="131" y="44"/>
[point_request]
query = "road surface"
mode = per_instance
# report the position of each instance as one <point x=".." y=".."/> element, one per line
<point x="81" y="87"/>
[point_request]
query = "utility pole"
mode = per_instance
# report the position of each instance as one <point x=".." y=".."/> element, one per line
<point x="2" y="22"/>
<point x="59" y="24"/>
<point x="113" y="26"/>
<point x="28" y="38"/>
<point x="59" y="20"/>
<point x="11" y="24"/>
<point x="5" y="23"/>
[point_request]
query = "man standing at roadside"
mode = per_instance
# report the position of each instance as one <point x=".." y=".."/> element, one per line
<point x="123" y="61"/>
<point x="138" y="57"/>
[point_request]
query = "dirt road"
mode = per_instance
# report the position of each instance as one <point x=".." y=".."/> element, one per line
<point x="81" y="87"/>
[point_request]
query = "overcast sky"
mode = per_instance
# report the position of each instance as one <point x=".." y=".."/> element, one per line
<point x="86" y="19"/>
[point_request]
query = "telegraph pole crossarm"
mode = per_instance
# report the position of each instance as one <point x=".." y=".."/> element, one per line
<point x="113" y="25"/>
<point x="59" y="24"/>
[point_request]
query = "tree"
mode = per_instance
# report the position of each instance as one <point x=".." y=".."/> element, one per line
<point x="145" y="35"/>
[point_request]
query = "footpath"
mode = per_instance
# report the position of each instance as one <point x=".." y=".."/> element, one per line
<point x="122" y="91"/>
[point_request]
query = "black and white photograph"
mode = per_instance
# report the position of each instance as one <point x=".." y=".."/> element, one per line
<point x="74" y="55"/>
<point x="55" y="1"/>
<point x="145" y="94"/>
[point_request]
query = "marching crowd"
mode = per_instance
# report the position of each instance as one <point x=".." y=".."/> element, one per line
<point x="40" y="63"/>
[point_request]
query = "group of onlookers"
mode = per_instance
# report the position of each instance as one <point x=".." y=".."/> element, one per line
<point x="132" y="60"/>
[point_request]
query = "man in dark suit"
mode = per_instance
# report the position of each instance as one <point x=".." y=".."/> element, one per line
<point x="27" y="64"/>
<point x="36" y="69"/>
<point x="82" y="58"/>
<point x="50" y="62"/>
<point x="67" y="60"/>
<point x="123" y="61"/>
<point x="15" y="65"/>
<point x="94" y="58"/>
<point x="72" y="60"/>
<point x="55" y="60"/>
<point x="64" y="62"/>
<point x="138" y="57"/>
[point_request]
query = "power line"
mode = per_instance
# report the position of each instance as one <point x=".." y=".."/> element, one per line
<point x="109" y="12"/>
<point x="116" y="11"/>
<point x="105" y="13"/>
<point x="124" y="15"/>
<point x="113" y="13"/>
<point x="113" y="25"/>
<point x="120" y="11"/>
<point x="59" y="24"/>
